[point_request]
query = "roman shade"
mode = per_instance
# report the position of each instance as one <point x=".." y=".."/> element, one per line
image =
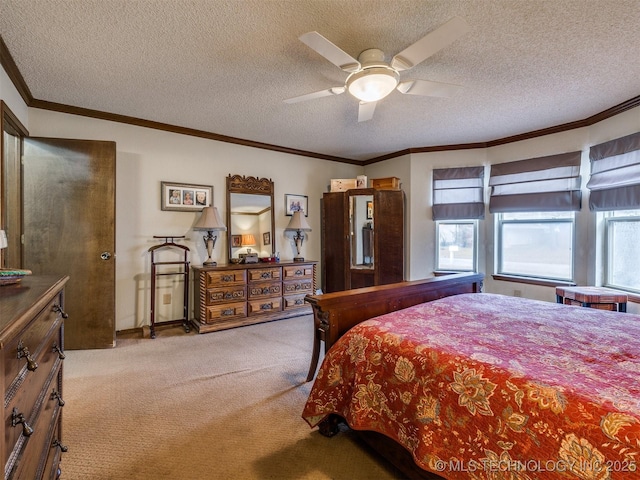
<point x="615" y="174"/>
<point x="458" y="193"/>
<point x="543" y="184"/>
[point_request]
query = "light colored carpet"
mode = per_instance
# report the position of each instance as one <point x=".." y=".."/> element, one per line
<point x="223" y="405"/>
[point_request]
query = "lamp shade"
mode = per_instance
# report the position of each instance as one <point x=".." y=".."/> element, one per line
<point x="3" y="239"/>
<point x="210" y="220"/>
<point x="248" y="240"/>
<point x="298" y="222"/>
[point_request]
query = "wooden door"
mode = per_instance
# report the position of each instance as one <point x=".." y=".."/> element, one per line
<point x="69" y="229"/>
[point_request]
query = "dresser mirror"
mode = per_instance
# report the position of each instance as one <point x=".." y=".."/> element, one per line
<point x="361" y="230"/>
<point x="250" y="218"/>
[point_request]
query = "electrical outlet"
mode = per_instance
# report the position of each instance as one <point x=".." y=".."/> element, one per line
<point x="166" y="298"/>
<point x="517" y="293"/>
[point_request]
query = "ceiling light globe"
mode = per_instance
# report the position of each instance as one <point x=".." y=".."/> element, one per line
<point x="372" y="84"/>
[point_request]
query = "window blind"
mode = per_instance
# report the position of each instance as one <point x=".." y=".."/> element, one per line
<point x="614" y="183"/>
<point x="458" y="193"/>
<point x="543" y="184"/>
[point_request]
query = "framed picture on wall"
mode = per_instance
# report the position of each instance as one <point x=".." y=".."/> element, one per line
<point x="266" y="238"/>
<point x="185" y="197"/>
<point x="369" y="210"/>
<point x="236" y="240"/>
<point x="296" y="203"/>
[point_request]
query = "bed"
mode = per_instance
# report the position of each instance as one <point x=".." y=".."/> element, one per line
<point x="482" y="386"/>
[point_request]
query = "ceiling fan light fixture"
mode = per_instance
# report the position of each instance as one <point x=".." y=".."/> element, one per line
<point x="372" y="84"/>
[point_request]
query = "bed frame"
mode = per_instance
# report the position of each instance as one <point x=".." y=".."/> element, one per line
<point x="335" y="313"/>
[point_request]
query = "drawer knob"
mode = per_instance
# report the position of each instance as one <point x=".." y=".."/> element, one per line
<point x="266" y="275"/>
<point x="299" y="272"/>
<point x="23" y="352"/>
<point x="61" y="354"/>
<point x="56" y="395"/>
<point x="58" y="309"/>
<point x="63" y="448"/>
<point x="227" y="311"/>
<point x="17" y="419"/>
<point x="266" y="306"/>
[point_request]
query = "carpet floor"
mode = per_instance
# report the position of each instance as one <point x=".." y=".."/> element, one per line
<point x="222" y="405"/>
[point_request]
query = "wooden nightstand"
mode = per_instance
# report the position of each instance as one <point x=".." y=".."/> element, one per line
<point x="592" y="297"/>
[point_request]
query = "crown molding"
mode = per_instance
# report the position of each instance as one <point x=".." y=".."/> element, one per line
<point x="6" y="60"/>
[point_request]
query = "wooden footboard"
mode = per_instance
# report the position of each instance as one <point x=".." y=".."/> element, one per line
<point x="335" y="313"/>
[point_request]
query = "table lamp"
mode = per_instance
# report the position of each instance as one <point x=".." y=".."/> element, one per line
<point x="211" y="222"/>
<point x="248" y="240"/>
<point x="299" y="225"/>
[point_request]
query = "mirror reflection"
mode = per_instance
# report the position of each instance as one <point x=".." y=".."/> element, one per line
<point x="250" y="219"/>
<point x="361" y="229"/>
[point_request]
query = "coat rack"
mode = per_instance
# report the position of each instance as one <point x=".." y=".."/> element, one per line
<point x="184" y="272"/>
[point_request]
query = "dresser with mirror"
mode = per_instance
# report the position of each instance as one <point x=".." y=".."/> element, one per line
<point x="253" y="287"/>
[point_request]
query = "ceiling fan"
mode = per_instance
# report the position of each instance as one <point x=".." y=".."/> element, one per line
<point x="371" y="79"/>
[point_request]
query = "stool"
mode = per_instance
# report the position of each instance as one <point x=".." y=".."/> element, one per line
<point x="592" y="297"/>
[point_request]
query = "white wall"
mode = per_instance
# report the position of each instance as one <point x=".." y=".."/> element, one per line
<point x="12" y="98"/>
<point x="145" y="157"/>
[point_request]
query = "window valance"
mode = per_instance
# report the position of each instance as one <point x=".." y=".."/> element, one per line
<point x="543" y="184"/>
<point x="458" y="193"/>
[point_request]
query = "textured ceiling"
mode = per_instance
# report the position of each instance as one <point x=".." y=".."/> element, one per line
<point x="225" y="66"/>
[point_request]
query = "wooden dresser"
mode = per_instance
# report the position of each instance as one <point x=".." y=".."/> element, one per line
<point x="32" y="345"/>
<point x="234" y="295"/>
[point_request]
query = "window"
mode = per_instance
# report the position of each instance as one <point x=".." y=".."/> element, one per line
<point x="457" y="245"/>
<point x="615" y="190"/>
<point x="458" y="203"/>
<point x="536" y="244"/>
<point x="535" y="200"/>
<point x="622" y="250"/>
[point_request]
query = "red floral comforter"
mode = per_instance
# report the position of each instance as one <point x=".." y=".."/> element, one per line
<point x="484" y="386"/>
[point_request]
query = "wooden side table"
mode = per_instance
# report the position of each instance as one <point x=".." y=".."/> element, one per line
<point x="592" y="297"/>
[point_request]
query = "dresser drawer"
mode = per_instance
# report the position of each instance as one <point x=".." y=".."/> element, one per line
<point x="228" y="310"/>
<point x="294" y="301"/>
<point x="298" y="271"/>
<point x="263" y="274"/>
<point x="32" y="463"/>
<point x="301" y="286"/>
<point x="264" y="290"/>
<point x="225" y="278"/>
<point x="25" y="397"/>
<point x="265" y="306"/>
<point x="223" y="295"/>
<point x="29" y="340"/>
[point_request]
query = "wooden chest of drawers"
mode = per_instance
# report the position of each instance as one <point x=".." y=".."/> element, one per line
<point x="32" y="345"/>
<point x="229" y="296"/>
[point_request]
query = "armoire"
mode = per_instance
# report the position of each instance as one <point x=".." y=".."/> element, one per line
<point x="362" y="238"/>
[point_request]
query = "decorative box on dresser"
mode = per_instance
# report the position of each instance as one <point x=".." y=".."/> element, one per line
<point x="234" y="295"/>
<point x="32" y="346"/>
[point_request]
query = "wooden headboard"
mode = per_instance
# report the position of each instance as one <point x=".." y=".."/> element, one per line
<point x="335" y="313"/>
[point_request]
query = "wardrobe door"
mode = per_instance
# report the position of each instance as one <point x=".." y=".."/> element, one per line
<point x="335" y="242"/>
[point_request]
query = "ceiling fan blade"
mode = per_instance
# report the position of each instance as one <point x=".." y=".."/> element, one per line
<point x="365" y="111"/>
<point x="430" y="44"/>
<point x="428" y="88"/>
<point x="322" y="93"/>
<point x="331" y="52"/>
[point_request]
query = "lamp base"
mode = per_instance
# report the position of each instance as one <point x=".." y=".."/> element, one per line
<point x="298" y="259"/>
<point x="210" y="264"/>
